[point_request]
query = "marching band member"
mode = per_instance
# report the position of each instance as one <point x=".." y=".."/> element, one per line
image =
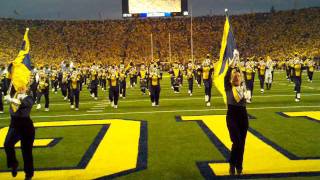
<point x="182" y="70"/>
<point x="297" y="73"/>
<point x="207" y="70"/>
<point x="154" y="88"/>
<point x="249" y="78"/>
<point x="123" y="81"/>
<point x="21" y="128"/>
<point x="262" y="73"/>
<point x="64" y="84"/>
<point x="198" y="73"/>
<point x="104" y="80"/>
<point x="54" y="81"/>
<point x="84" y="72"/>
<point x="268" y="74"/>
<point x="33" y="83"/>
<point x="94" y="83"/>
<point x="291" y="67"/>
<point x="237" y="117"/>
<point x="132" y="76"/>
<point x="114" y="88"/>
<point x="43" y="89"/>
<point x="143" y="75"/>
<point x="310" y="69"/>
<point x="176" y="74"/>
<point x="74" y="83"/>
<point x="287" y="68"/>
<point x="190" y="75"/>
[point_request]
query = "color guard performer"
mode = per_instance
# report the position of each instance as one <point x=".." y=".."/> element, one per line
<point x="237" y="117"/>
<point x="21" y="128"/>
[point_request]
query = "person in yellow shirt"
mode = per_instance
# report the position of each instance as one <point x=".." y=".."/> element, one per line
<point x="154" y="88"/>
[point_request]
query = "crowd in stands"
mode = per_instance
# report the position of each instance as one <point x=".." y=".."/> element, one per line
<point x="278" y="34"/>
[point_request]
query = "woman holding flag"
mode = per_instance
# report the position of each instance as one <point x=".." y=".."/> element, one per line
<point x="229" y="83"/>
<point x="21" y="126"/>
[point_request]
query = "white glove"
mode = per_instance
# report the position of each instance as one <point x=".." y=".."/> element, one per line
<point x="15" y="101"/>
<point x="235" y="53"/>
<point x="247" y="95"/>
<point x="21" y="96"/>
<point x="7" y="98"/>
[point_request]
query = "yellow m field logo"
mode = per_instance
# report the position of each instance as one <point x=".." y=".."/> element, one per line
<point x="121" y="150"/>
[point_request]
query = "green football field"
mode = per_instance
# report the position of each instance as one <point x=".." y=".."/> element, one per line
<point x="171" y="148"/>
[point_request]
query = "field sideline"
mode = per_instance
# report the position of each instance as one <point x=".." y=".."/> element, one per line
<point x="170" y="147"/>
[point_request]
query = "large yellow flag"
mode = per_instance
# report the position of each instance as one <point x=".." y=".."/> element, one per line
<point x="21" y="66"/>
<point x="228" y="45"/>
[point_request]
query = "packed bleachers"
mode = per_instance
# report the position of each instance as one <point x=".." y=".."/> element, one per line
<point x="276" y="34"/>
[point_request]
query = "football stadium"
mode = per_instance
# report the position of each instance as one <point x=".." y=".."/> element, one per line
<point x="161" y="91"/>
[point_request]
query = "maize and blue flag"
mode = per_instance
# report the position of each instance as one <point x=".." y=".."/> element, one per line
<point x="21" y="66"/>
<point x="228" y="45"/>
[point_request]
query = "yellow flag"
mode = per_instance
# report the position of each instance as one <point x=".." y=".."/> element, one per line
<point x="21" y="66"/>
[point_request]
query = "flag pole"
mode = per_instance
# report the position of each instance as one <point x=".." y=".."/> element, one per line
<point x="191" y="34"/>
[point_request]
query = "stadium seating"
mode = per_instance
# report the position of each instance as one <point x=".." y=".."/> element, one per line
<point x="277" y="34"/>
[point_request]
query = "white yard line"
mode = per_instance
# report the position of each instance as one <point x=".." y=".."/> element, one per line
<point x="166" y="111"/>
<point x="187" y="98"/>
<point x="94" y="111"/>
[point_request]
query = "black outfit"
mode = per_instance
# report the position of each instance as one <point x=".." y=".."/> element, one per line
<point x="114" y="90"/>
<point x="237" y="122"/>
<point x="1" y="90"/>
<point x="155" y="89"/>
<point x="44" y="92"/>
<point x="21" y="128"/>
<point x="94" y="85"/>
<point x="75" y="92"/>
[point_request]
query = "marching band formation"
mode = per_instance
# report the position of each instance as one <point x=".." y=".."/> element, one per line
<point x="70" y="79"/>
